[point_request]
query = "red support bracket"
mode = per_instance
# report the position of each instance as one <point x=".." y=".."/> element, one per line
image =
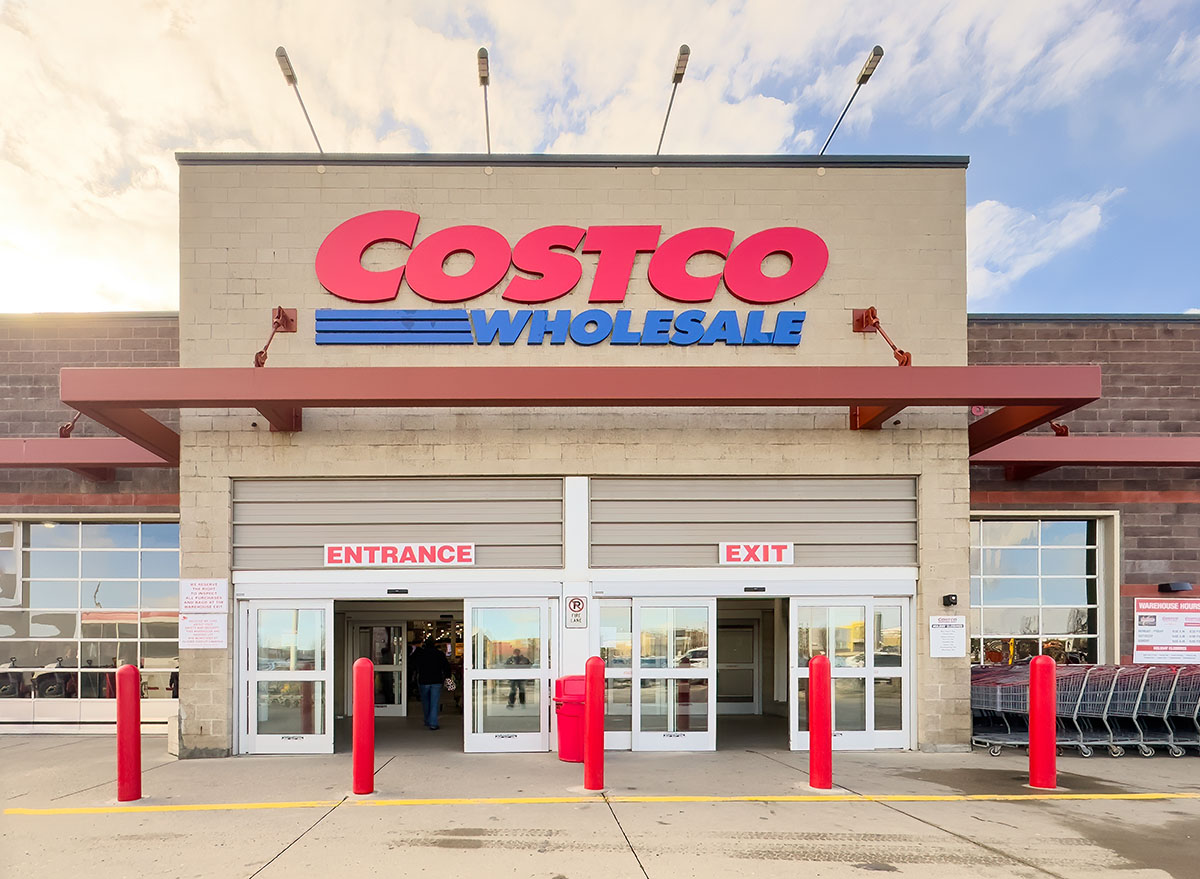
<point x="283" y="320"/>
<point x="866" y="320"/>
<point x="283" y="418"/>
<point x="872" y="417"/>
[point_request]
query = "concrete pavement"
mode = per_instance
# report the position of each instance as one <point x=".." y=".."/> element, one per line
<point x="291" y="816"/>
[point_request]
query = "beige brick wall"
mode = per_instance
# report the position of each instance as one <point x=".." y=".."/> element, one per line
<point x="896" y="237"/>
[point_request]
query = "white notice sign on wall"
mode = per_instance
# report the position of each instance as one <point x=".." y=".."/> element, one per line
<point x="947" y="637"/>
<point x="203" y="631"/>
<point x="576" y="612"/>
<point x="204" y="596"/>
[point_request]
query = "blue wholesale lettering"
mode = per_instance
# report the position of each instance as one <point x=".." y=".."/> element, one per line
<point x="542" y="326"/>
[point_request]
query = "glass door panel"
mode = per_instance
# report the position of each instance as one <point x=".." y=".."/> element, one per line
<point x="507" y="675"/>
<point x="384" y="645"/>
<point x="865" y="641"/>
<point x="612" y="641"/>
<point x="287" y="678"/>
<point x="737" y="668"/>
<point x="673" y="677"/>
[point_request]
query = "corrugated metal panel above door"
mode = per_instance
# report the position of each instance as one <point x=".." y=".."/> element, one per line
<point x="282" y="524"/>
<point x="656" y="522"/>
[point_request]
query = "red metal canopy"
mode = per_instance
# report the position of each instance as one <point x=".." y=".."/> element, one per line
<point x="1028" y="456"/>
<point x="93" y="457"/>
<point x="1026" y="396"/>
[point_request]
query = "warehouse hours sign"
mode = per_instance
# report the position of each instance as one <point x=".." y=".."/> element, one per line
<point x="1166" y="631"/>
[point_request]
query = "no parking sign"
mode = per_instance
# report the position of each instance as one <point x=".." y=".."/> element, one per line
<point x="576" y="612"/>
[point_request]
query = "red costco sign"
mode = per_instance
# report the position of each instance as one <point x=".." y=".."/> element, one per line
<point x="398" y="555"/>
<point x="549" y="269"/>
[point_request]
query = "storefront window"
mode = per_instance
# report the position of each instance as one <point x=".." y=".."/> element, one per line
<point x="85" y="599"/>
<point x="1034" y="590"/>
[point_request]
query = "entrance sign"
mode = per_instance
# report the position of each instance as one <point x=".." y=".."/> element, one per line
<point x="1166" y="631"/>
<point x="547" y="254"/>
<point x="204" y="596"/>
<point x="756" y="553"/>
<point x="947" y="637"/>
<point x="203" y="631"/>
<point x="398" y="555"/>
<point x="576" y="612"/>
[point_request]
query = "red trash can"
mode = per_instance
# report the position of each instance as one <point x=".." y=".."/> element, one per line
<point x="568" y="706"/>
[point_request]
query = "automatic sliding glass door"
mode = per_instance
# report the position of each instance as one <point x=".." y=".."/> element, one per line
<point x="866" y="642"/>
<point x="674" y="680"/>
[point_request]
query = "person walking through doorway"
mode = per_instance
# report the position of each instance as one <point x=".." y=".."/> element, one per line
<point x="516" y="686"/>
<point x="432" y="669"/>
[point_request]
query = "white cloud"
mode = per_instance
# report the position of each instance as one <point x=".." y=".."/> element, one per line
<point x="99" y="96"/>
<point x="1005" y="243"/>
<point x="1183" y="64"/>
<point x="1192" y="311"/>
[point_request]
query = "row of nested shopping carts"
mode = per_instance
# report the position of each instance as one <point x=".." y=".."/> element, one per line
<point x="1098" y="706"/>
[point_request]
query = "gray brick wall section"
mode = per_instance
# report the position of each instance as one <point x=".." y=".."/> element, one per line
<point x="33" y="348"/>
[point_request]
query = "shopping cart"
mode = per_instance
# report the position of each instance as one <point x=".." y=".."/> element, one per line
<point x="1152" y="711"/>
<point x="1182" y="713"/>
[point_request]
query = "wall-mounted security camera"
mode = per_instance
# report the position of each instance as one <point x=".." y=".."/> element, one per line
<point x="949" y="601"/>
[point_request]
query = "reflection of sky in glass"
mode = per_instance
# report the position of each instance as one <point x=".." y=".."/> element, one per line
<point x="507" y="623"/>
<point x="110" y="535"/>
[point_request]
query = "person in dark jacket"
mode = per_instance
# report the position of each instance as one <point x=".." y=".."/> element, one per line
<point x="432" y="669"/>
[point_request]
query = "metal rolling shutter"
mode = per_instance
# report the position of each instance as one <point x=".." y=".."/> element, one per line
<point x="282" y="524"/>
<point x="679" y="522"/>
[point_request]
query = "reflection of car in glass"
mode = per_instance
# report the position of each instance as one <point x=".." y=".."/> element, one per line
<point x="697" y="656"/>
<point x="888" y="657"/>
<point x="53" y="684"/>
<point x="654" y="662"/>
<point x="10" y="682"/>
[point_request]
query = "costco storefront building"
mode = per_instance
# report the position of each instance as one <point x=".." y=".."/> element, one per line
<point x="704" y="417"/>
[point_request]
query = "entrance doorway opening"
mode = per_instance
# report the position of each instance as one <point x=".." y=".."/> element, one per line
<point x="388" y="633"/>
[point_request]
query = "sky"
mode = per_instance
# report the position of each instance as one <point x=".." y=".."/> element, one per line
<point x="1079" y="116"/>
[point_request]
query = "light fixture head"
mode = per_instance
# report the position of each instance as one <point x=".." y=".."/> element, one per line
<point x="869" y="67"/>
<point x="285" y="65"/>
<point x="484" y="76"/>
<point x="681" y="64"/>
<point x="1177" y="586"/>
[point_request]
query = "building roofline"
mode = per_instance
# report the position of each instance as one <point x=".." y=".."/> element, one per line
<point x="1022" y="317"/>
<point x="570" y="161"/>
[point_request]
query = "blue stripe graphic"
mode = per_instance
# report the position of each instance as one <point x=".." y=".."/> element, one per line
<point x="406" y="326"/>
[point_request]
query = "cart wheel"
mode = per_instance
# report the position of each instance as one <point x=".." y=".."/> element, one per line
<point x="1116" y="751"/>
<point x="1145" y="750"/>
<point x="1175" y="750"/>
<point x="1058" y="751"/>
<point x="1085" y="751"/>
<point x="995" y="750"/>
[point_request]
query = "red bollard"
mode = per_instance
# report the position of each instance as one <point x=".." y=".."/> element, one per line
<point x="593" y="724"/>
<point x="1043" y="745"/>
<point x="820" y="724"/>
<point x="129" y="734"/>
<point x="364" y="726"/>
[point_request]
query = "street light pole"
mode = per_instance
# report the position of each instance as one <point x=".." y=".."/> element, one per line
<point x="681" y="61"/>
<point x="484" y="78"/>
<point x="863" y="76"/>
<point x="289" y="75"/>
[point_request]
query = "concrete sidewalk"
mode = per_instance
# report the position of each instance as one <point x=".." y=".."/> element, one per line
<point x="292" y="816"/>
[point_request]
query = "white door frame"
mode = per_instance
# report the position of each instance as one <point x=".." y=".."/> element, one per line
<point x="673" y="739"/>
<point x="248" y="740"/>
<point x="868" y="739"/>
<point x="539" y="679"/>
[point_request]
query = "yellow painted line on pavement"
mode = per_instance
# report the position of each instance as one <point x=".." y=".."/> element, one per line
<point x="615" y="798"/>
<point x="181" y="807"/>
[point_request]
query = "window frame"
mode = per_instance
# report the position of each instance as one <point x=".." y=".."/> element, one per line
<point x="1107" y="554"/>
